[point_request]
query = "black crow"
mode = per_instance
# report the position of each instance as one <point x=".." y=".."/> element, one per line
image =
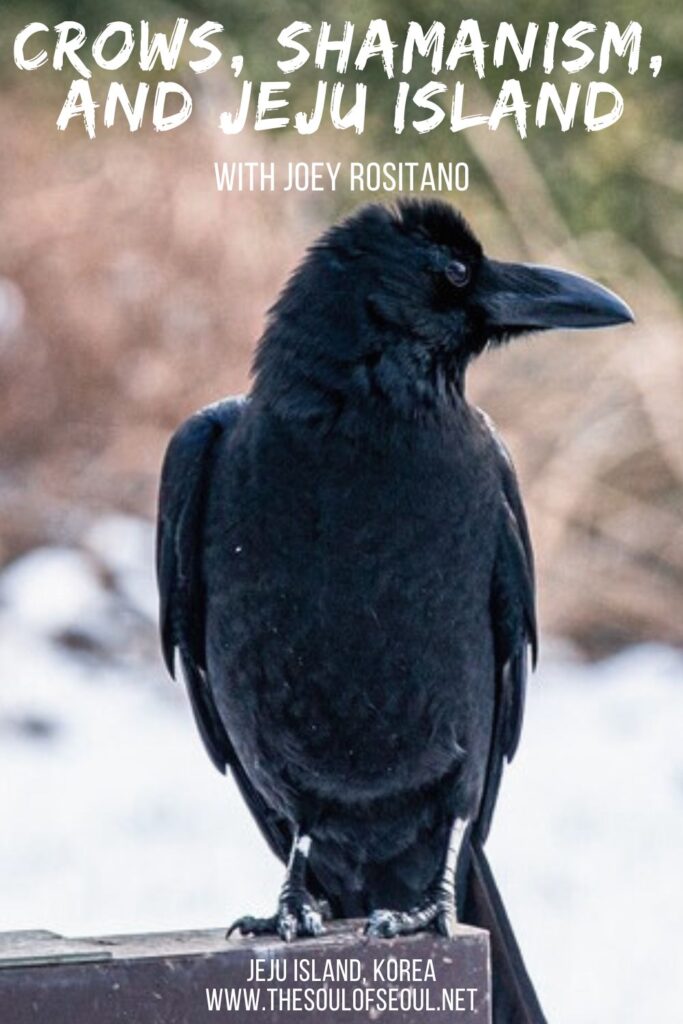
<point x="347" y="579"/>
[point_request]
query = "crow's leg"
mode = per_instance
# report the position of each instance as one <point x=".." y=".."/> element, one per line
<point x="437" y="910"/>
<point x="297" y="913"/>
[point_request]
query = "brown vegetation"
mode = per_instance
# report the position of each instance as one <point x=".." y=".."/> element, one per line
<point x="131" y="293"/>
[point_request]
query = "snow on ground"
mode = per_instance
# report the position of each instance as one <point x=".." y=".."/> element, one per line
<point x="114" y="820"/>
<point x="588" y="838"/>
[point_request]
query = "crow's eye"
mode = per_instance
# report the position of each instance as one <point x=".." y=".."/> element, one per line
<point x="458" y="273"/>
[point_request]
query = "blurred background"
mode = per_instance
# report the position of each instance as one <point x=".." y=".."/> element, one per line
<point x="132" y="293"/>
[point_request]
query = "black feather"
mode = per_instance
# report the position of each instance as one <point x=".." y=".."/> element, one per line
<point x="182" y="498"/>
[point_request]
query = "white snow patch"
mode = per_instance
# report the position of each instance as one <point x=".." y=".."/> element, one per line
<point x="588" y="834"/>
<point x="51" y="589"/>
<point x="116" y="821"/>
<point x="124" y="546"/>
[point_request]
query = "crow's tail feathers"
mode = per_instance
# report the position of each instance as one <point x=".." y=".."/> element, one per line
<point x="514" y="998"/>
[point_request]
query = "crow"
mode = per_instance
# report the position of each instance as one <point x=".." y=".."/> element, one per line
<point x="346" y="577"/>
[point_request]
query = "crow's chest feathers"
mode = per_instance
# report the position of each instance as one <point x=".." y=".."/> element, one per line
<point x="364" y="548"/>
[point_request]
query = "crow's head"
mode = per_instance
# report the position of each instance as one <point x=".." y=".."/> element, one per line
<point x="393" y="303"/>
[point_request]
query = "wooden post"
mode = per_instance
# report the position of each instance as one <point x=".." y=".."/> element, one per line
<point x="196" y="977"/>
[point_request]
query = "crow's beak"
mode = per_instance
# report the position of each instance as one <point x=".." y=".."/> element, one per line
<point x="518" y="296"/>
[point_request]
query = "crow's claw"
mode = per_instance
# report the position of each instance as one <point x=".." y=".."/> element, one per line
<point x="385" y="924"/>
<point x="446" y="922"/>
<point x="431" y="916"/>
<point x="296" y="918"/>
<point x="249" y="925"/>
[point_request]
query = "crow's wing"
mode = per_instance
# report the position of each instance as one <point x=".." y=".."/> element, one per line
<point x="184" y="483"/>
<point x="513" y="620"/>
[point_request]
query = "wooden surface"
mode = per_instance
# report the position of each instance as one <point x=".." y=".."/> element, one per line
<point x="170" y="978"/>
